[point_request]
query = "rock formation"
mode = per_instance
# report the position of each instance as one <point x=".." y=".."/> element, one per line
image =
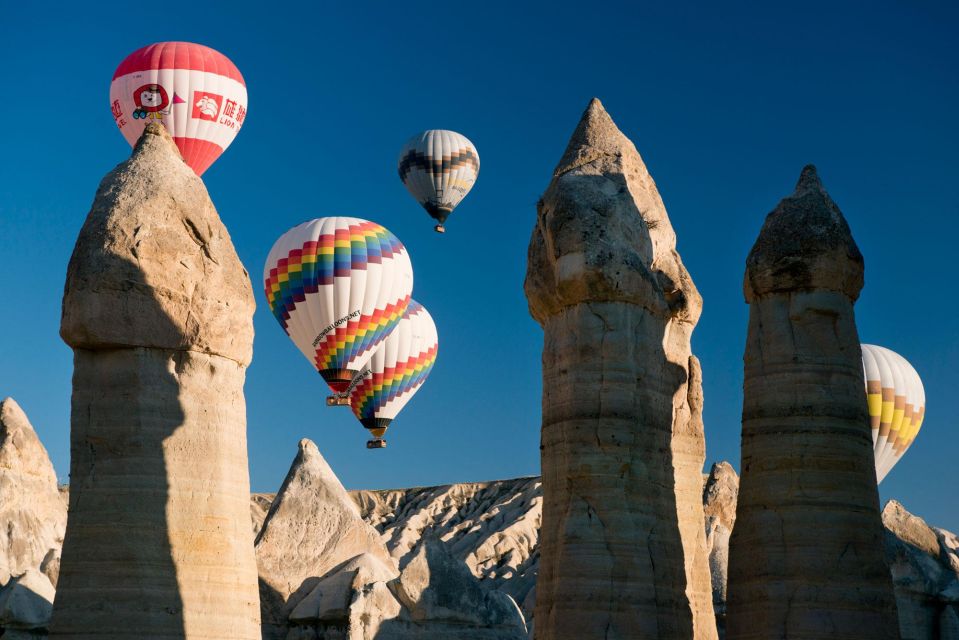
<point x="32" y="516"/>
<point x="25" y="605"/>
<point x="325" y="572"/>
<point x="312" y="527"/>
<point x="491" y="527"/>
<point x="491" y="530"/>
<point x="925" y="569"/>
<point x="719" y="507"/>
<point x="622" y="542"/>
<point x="158" y="311"/>
<point x="805" y="557"/>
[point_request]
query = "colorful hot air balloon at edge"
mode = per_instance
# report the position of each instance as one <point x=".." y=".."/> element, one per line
<point x="438" y="168"/>
<point x="338" y="286"/>
<point x="397" y="370"/>
<point x="195" y="91"/>
<point x="897" y="405"/>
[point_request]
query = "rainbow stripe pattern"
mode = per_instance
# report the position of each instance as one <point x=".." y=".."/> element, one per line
<point x="356" y="337"/>
<point x="381" y="388"/>
<point x="317" y="263"/>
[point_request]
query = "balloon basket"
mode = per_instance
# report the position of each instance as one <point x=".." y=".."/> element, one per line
<point x="338" y="401"/>
<point x="440" y="228"/>
<point x="378" y="443"/>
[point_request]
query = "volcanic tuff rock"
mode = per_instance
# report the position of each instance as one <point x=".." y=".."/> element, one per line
<point x="31" y="513"/>
<point x="158" y="311"/>
<point x="925" y="569"/>
<point x="312" y="527"/>
<point x="326" y="573"/>
<point x="807" y="462"/>
<point x="623" y="546"/>
<point x="492" y="527"/>
<point x="26" y="603"/>
<point x="719" y="507"/>
<point x="488" y="525"/>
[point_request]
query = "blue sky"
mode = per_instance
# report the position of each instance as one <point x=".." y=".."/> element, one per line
<point x="726" y="102"/>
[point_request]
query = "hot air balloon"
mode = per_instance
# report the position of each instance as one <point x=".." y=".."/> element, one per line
<point x="439" y="168"/>
<point x="196" y="92"/>
<point x="396" y="372"/>
<point x="897" y="405"/>
<point x="338" y="287"/>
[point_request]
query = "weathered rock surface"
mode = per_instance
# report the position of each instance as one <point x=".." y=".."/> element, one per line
<point x="312" y="527"/>
<point x="327" y="573"/>
<point x="491" y="527"/>
<point x="925" y="568"/>
<point x="487" y="526"/>
<point x="623" y="545"/>
<point x="805" y="557"/>
<point x="436" y="588"/>
<point x="26" y="602"/>
<point x="158" y="311"/>
<point x="719" y="507"/>
<point x="31" y="513"/>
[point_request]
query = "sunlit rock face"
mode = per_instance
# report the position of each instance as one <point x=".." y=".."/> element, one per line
<point x="158" y="311"/>
<point x="32" y="514"/>
<point x="622" y="545"/>
<point x="805" y="556"/>
<point x="326" y="572"/>
<point x="311" y="529"/>
<point x="491" y="527"/>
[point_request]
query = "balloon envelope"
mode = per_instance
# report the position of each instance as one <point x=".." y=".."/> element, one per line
<point x="338" y="286"/>
<point x="397" y="370"/>
<point x="195" y="91"/>
<point x="897" y="405"/>
<point x="439" y="168"/>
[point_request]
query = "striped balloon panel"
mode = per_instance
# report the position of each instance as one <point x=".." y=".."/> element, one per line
<point x="337" y="286"/>
<point x="193" y="90"/>
<point x="896" y="401"/>
<point x="399" y="367"/>
<point x="439" y="168"/>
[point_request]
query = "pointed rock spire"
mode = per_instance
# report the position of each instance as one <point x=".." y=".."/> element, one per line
<point x="153" y="228"/>
<point x="805" y="243"/>
<point x="159" y="312"/>
<point x="602" y="231"/>
<point x="807" y="457"/>
<point x="32" y="514"/>
<point x="312" y="527"/>
<point x="620" y="401"/>
<point x="595" y="136"/>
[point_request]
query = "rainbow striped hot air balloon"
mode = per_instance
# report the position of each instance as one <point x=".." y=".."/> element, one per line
<point x="398" y="369"/>
<point x="196" y="92"/>
<point x="338" y="287"/>
<point x="438" y="168"/>
<point x="897" y="405"/>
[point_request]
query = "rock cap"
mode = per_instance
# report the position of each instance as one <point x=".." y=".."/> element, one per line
<point x="805" y="244"/>
<point x="602" y="233"/>
<point x="154" y="265"/>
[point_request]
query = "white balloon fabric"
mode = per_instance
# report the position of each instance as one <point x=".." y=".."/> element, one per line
<point x="397" y="370"/>
<point x="195" y="91"/>
<point x="897" y="405"/>
<point x="338" y="286"/>
<point x="439" y="168"/>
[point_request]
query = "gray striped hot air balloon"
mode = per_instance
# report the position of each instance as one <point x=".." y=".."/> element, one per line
<point x="439" y="168"/>
<point x="897" y="405"/>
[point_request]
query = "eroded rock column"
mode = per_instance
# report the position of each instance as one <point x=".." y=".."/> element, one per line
<point x="158" y="311"/>
<point x="622" y="540"/>
<point x="805" y="556"/>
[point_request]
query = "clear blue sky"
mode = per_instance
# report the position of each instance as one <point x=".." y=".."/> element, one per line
<point x="726" y="102"/>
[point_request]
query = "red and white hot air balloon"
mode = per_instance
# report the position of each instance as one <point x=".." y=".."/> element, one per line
<point x="195" y="91"/>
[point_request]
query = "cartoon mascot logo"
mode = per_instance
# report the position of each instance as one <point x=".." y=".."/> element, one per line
<point x="152" y="102"/>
